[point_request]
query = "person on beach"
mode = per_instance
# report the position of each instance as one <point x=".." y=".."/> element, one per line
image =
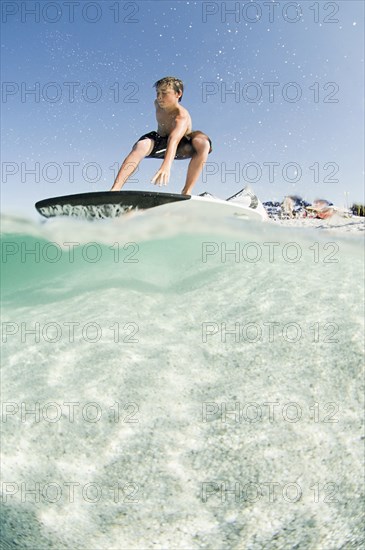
<point x="174" y="139"/>
<point x="322" y="209"/>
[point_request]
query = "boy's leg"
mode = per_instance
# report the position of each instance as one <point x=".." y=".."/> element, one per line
<point x="201" y="148"/>
<point x="140" y="150"/>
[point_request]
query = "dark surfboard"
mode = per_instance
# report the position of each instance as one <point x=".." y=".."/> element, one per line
<point x="104" y="204"/>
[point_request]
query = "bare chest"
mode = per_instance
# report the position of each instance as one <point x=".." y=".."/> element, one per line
<point x="166" y="123"/>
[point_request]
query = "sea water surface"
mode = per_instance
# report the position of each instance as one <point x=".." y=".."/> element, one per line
<point x="179" y="381"/>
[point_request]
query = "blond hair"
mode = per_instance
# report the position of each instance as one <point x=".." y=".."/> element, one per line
<point x="175" y="83"/>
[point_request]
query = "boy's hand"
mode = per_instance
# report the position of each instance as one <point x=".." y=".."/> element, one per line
<point x="162" y="176"/>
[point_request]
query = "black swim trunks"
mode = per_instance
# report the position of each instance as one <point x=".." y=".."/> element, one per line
<point x="160" y="146"/>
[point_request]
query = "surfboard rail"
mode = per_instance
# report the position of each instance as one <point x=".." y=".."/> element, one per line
<point x="104" y="204"/>
<point x="112" y="204"/>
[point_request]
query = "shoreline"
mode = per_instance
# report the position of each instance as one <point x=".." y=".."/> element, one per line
<point x="354" y="225"/>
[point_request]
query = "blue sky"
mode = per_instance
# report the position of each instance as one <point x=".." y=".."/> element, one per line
<point x="294" y="123"/>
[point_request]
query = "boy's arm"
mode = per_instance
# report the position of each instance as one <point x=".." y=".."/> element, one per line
<point x="162" y="176"/>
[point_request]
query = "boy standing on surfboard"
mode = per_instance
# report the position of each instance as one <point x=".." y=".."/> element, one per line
<point x="174" y="139"/>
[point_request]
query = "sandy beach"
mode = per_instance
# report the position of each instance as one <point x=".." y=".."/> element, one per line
<point x="337" y="224"/>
